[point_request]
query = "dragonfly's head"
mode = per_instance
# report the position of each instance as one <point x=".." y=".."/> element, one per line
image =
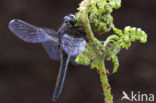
<point x="70" y="19"/>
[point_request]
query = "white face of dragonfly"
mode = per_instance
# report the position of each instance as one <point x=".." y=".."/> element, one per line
<point x="73" y="46"/>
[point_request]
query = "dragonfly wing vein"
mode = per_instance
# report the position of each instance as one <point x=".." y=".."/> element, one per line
<point x="30" y="33"/>
<point x="52" y="49"/>
<point x="73" y="46"/>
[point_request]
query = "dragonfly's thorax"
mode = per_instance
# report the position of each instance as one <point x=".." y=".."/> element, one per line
<point x="68" y="27"/>
<point x="65" y="28"/>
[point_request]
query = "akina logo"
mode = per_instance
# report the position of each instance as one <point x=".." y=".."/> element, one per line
<point x="138" y="96"/>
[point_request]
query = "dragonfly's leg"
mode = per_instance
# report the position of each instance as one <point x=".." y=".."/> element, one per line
<point x="81" y="32"/>
<point x="76" y="27"/>
<point x="77" y="30"/>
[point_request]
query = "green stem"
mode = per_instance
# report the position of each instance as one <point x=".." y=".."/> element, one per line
<point x="83" y="14"/>
<point x="83" y="17"/>
<point x="104" y="81"/>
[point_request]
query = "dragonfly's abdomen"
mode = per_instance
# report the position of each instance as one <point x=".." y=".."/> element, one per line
<point x="61" y="77"/>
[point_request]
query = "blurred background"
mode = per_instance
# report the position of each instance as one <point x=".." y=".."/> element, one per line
<point x="27" y="75"/>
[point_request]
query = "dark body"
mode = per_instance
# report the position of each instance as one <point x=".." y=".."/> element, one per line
<point x="62" y="45"/>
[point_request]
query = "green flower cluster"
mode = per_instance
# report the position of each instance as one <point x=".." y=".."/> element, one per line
<point x="130" y="34"/>
<point x="100" y="18"/>
<point x="123" y="39"/>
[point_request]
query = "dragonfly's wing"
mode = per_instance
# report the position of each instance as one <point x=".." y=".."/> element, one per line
<point x="30" y="33"/>
<point x="61" y="76"/>
<point x="34" y="34"/>
<point x="73" y="46"/>
<point x="52" y="49"/>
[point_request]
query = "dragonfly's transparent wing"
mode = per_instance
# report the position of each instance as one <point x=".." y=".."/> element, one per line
<point x="73" y="46"/>
<point x="52" y="49"/>
<point x="30" y="33"/>
<point x="34" y="34"/>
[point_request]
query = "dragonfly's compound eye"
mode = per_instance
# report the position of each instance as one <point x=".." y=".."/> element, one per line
<point x="70" y="19"/>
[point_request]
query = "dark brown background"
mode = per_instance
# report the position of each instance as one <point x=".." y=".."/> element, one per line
<point x="27" y="75"/>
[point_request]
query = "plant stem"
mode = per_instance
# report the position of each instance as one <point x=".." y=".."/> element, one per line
<point x="85" y="21"/>
<point x="104" y="81"/>
<point x="83" y="16"/>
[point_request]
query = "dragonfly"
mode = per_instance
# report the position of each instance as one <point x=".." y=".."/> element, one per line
<point x="64" y="44"/>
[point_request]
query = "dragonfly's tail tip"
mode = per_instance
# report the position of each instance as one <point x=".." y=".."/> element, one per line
<point x="54" y="98"/>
